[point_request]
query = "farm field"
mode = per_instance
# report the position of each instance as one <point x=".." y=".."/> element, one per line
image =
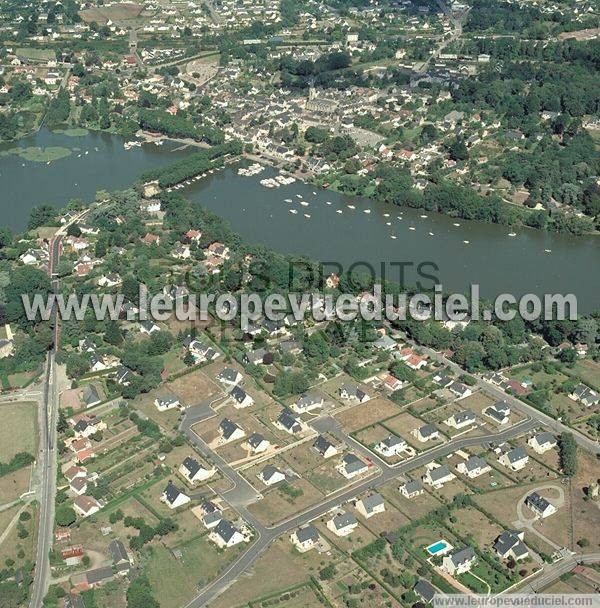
<point x="18" y="429"/>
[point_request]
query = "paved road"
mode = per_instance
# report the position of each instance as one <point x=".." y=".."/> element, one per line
<point x="554" y="571"/>
<point x="48" y="452"/>
<point x="268" y="534"/>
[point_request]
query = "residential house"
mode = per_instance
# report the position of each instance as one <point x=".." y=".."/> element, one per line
<point x="427" y="432"/>
<point x="225" y="535"/>
<point x="352" y="392"/>
<point x="289" y="423"/>
<point x="539" y="505"/>
<point x="342" y="524"/>
<point x="119" y="556"/>
<point x="148" y="327"/>
<point x="425" y="590"/>
<point x="271" y="475"/>
<point x="391" y="446"/>
<point x="90" y="395"/>
<point x="351" y="466"/>
<point x="173" y="497"/>
<point x="411" y="489"/>
<point x="459" y="561"/>
<point x="308" y="403"/>
<point x="510" y="545"/>
<point x="473" y="467"/>
<point x="460" y="420"/>
<point x="86" y="505"/>
<point x="304" y="539"/>
<point x="166" y="403"/>
<point x="255" y="357"/>
<point x="438" y="476"/>
<point x="370" y="505"/>
<point x="499" y="412"/>
<point x="123" y="376"/>
<point x="515" y="459"/>
<point x="324" y="447"/>
<point x="230" y="431"/>
<point x="211" y="514"/>
<point x="229" y="376"/>
<point x="194" y="472"/>
<point x="258" y="444"/>
<point x="542" y="442"/>
<point x="585" y="395"/>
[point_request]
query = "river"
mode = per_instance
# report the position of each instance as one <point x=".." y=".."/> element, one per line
<point x="532" y="261"/>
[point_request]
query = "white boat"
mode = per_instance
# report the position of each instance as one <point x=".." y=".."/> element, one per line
<point x="366" y="211"/>
<point x="307" y="215"/>
<point x="399" y="217"/>
<point x="339" y="211"/>
<point x="87" y="152"/>
<point x="351" y="206"/>
<point x="304" y="203"/>
<point x="298" y="196"/>
<point x="548" y="250"/>
<point x="329" y="202"/>
<point x="456" y="224"/>
<point x="512" y="234"/>
<point x="294" y="211"/>
<point x="423" y="216"/>
<point x="411" y="228"/>
<point x="288" y="200"/>
<point x="466" y="242"/>
<point x="393" y="236"/>
<point x="388" y="223"/>
<point x="315" y="193"/>
<point x="386" y="215"/>
<point x="430" y="233"/>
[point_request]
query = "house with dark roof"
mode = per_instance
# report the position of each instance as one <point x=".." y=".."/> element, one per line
<point x="352" y="392"/>
<point x="499" y="412"/>
<point x="425" y="433"/>
<point x="225" y="535"/>
<point x="585" y="395"/>
<point x="304" y="539"/>
<point x="425" y="590"/>
<point x="308" y="403"/>
<point x="324" y="447"/>
<point x="460" y="420"/>
<point x="288" y="422"/>
<point x="229" y="376"/>
<point x="230" y="431"/>
<point x="193" y="472"/>
<point x="542" y="442"/>
<point x="271" y="475"/>
<point x="120" y="558"/>
<point x="510" y="545"/>
<point x="539" y="505"/>
<point x="411" y="489"/>
<point x="240" y="398"/>
<point x="351" y="466"/>
<point x="257" y="443"/>
<point x="370" y="505"/>
<point x="391" y="446"/>
<point x="342" y="524"/>
<point x="173" y="497"/>
<point x="166" y="403"/>
<point x="438" y="476"/>
<point x="473" y="467"/>
<point x="515" y="459"/>
<point x="90" y="395"/>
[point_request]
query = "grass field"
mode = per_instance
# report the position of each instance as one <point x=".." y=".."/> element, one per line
<point x="36" y="54"/>
<point x="18" y="429"/>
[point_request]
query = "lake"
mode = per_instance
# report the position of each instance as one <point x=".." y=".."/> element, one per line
<point x="497" y="262"/>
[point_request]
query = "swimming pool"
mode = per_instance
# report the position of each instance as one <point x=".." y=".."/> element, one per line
<point x="441" y="547"/>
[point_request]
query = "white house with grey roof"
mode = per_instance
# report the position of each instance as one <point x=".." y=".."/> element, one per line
<point x="230" y="431"/>
<point x="324" y="447"/>
<point x="289" y="423"/>
<point x="351" y="466"/>
<point x="173" y="497"/>
<point x="427" y="432"/>
<point x="370" y="505"/>
<point x="542" y="442"/>
<point x="225" y="535"/>
<point x="240" y="398"/>
<point x="412" y="489"/>
<point x="229" y="376"/>
<point x="510" y="545"/>
<point x="425" y="590"/>
<point x="460" y="420"/>
<point x="515" y="459"/>
<point x="352" y="392"/>
<point x="585" y="395"/>
<point x="166" y="403"/>
<point x="193" y="472"/>
<point x="257" y="443"/>
<point x="308" y="403"/>
<point x="499" y="412"/>
<point x="342" y="524"/>
<point x="271" y="475"/>
<point x="540" y="506"/>
<point x="391" y="446"/>
<point x="473" y="467"/>
<point x="459" y="561"/>
<point x="305" y="539"/>
<point x="437" y="476"/>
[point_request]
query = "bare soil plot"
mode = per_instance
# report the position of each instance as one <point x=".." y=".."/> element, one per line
<point x="360" y="537"/>
<point x="403" y="425"/>
<point x="367" y="414"/>
<point x="413" y="508"/>
<point x="13" y="485"/>
<point x="326" y="477"/>
<point x="193" y="388"/>
<point x="116" y="12"/>
<point x="422" y="406"/>
<point x="586" y="513"/>
<point x="18" y="429"/>
<point x="471" y="522"/>
<point x="388" y="521"/>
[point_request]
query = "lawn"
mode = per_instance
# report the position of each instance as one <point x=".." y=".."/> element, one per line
<point x="175" y="581"/>
<point x="18" y="429"/>
<point x="589" y="372"/>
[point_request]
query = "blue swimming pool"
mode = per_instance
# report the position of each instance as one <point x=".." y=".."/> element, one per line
<point x="440" y="547"/>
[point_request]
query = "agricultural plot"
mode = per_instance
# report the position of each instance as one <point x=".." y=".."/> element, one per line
<point x="18" y="429"/>
<point x="366" y="414"/>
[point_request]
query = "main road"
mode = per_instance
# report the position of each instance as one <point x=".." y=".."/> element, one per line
<point x="48" y="452"/>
